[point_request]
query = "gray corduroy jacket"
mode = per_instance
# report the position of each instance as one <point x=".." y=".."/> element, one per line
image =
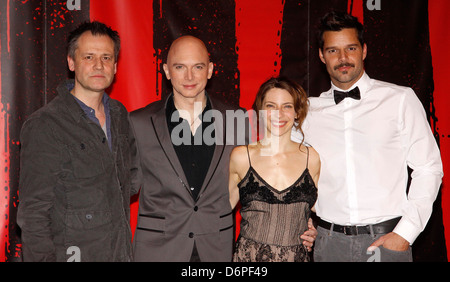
<point x="74" y="191"/>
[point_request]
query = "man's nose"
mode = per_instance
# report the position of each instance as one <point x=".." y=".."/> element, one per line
<point x="189" y="75"/>
<point x="98" y="63"/>
<point x="343" y="56"/>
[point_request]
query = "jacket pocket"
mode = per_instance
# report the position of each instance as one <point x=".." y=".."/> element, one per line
<point x="86" y="159"/>
<point x="150" y="229"/>
<point x="91" y="232"/>
<point x="226" y="221"/>
<point x="226" y="233"/>
<point x="88" y="220"/>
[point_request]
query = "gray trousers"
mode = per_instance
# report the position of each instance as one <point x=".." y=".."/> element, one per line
<point x="331" y="246"/>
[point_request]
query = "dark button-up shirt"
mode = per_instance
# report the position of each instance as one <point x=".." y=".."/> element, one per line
<point x="90" y="112"/>
<point x="195" y="159"/>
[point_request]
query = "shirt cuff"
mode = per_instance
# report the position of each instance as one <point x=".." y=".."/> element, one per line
<point x="407" y="230"/>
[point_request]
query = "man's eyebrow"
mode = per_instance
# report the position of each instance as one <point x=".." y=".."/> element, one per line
<point x="335" y="47"/>
<point x="182" y="64"/>
<point x="93" y="53"/>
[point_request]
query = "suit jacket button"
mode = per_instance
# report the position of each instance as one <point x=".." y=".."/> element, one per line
<point x="195" y="208"/>
<point x="191" y="235"/>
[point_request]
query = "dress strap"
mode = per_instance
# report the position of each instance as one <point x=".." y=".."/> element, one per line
<point x="307" y="153"/>
<point x="307" y="156"/>
<point x="248" y="154"/>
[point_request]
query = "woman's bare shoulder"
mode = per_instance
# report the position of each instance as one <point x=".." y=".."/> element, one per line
<point x="314" y="160"/>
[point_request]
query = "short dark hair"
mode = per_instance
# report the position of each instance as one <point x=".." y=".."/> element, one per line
<point x="96" y="28"/>
<point x="337" y="21"/>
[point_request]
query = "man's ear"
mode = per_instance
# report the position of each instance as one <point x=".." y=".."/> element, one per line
<point x="321" y="56"/>
<point x="210" y="69"/>
<point x="71" y="63"/>
<point x="364" y="51"/>
<point x="166" y="71"/>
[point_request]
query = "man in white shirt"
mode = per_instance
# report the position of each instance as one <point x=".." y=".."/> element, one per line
<point x="367" y="135"/>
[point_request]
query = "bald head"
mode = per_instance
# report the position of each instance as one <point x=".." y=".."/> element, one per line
<point x="187" y="46"/>
<point x="188" y="67"/>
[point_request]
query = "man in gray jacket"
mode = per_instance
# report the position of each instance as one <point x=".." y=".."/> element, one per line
<point x="76" y="162"/>
<point x="184" y="209"/>
<point x="184" y="144"/>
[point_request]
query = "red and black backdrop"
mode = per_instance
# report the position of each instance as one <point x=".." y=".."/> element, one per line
<point x="249" y="41"/>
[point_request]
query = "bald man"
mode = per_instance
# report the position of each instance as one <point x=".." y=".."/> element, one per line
<point x="184" y="209"/>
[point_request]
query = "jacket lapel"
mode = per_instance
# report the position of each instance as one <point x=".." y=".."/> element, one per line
<point x="220" y="133"/>
<point x="218" y="153"/>
<point x="159" y="125"/>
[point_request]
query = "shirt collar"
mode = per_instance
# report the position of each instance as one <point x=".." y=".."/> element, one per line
<point x="170" y="107"/>
<point x="362" y="83"/>
<point x="90" y="112"/>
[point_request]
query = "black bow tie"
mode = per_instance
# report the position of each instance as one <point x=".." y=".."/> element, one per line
<point x="340" y="95"/>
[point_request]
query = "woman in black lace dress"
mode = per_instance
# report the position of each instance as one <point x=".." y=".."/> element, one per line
<point x="275" y="179"/>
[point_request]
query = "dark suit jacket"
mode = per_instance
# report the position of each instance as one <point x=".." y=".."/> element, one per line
<point x="170" y="220"/>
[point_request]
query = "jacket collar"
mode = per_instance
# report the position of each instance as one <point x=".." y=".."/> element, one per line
<point x="73" y="107"/>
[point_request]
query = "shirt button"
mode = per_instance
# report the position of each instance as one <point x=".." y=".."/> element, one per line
<point x="89" y="216"/>
<point x="191" y="235"/>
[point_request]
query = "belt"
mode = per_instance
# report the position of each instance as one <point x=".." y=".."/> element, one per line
<point x="379" y="228"/>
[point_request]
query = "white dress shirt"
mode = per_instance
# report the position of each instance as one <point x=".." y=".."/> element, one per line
<point x="365" y="148"/>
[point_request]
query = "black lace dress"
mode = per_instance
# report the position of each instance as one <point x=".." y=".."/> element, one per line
<point x="273" y="221"/>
